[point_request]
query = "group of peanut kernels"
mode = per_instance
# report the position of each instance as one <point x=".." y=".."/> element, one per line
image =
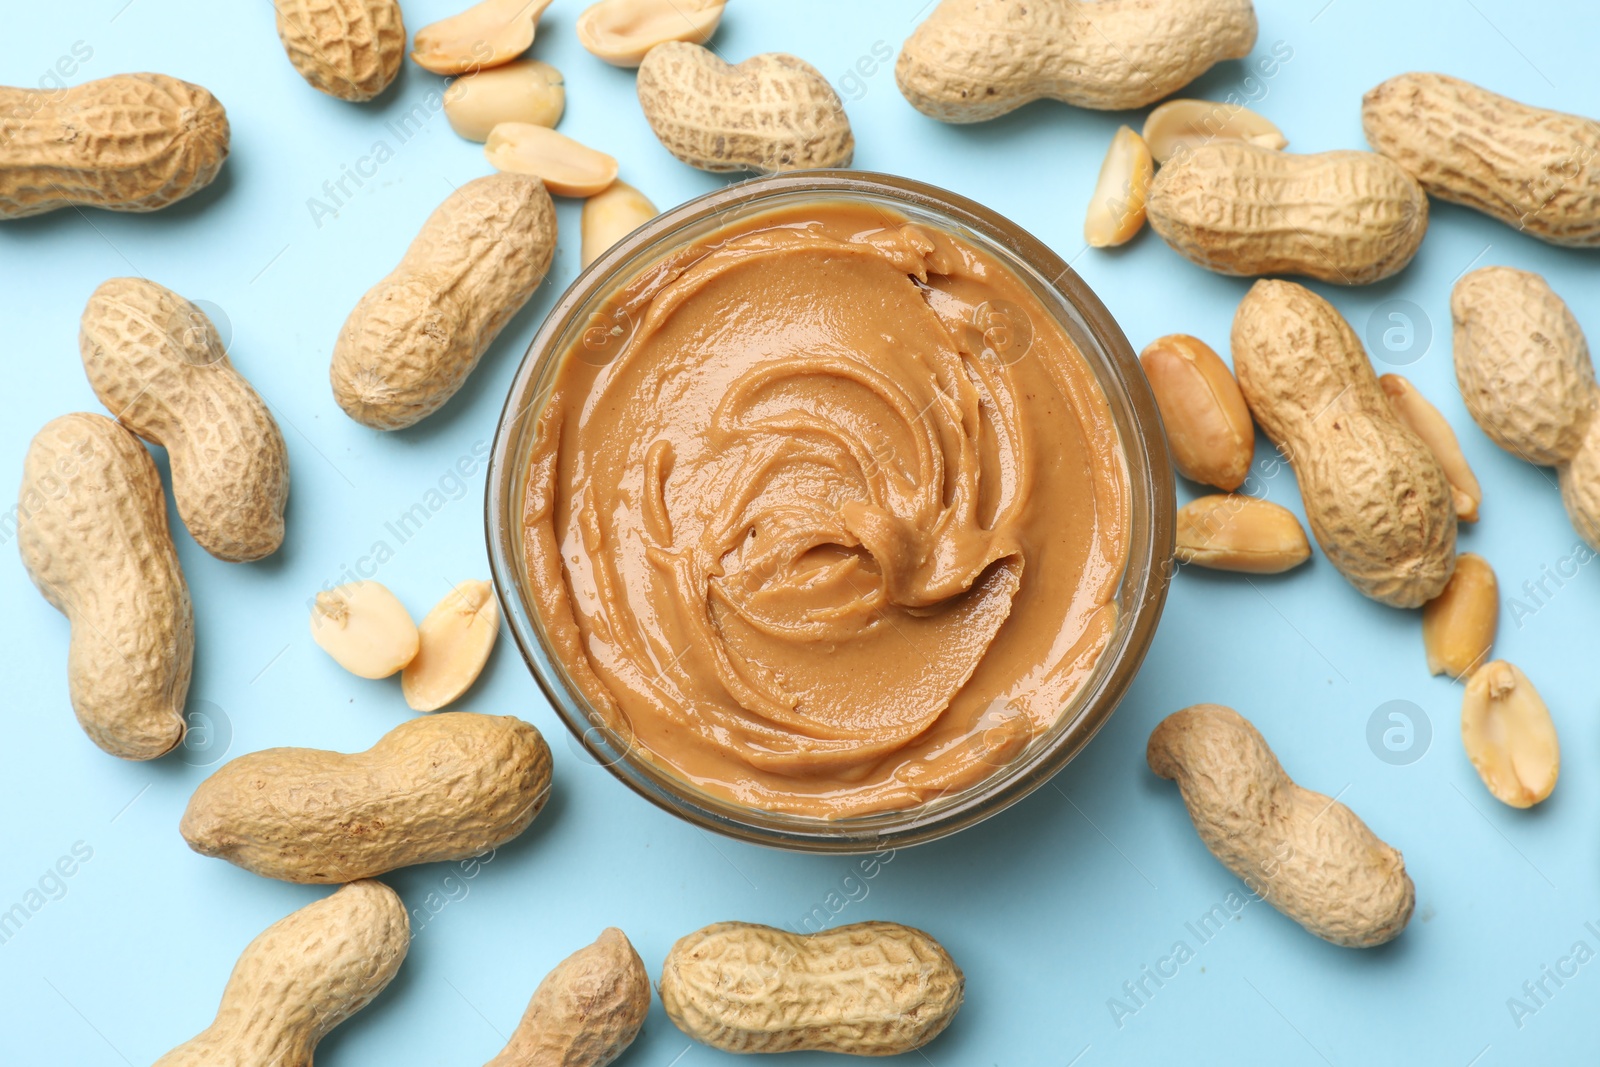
<point x="1382" y="477"/>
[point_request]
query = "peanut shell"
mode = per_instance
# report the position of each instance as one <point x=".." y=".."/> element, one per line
<point x="131" y="142"/>
<point x="350" y="49"/>
<point x="1376" y="499"/>
<point x="416" y="335"/>
<point x="1304" y="853"/>
<point x="586" y="1012"/>
<point x="1522" y="364"/>
<point x="771" y="112"/>
<point x="972" y="60"/>
<point x="867" y="989"/>
<point x="92" y="531"/>
<point x="1535" y="170"/>
<point x="442" y="787"/>
<point x="301" y="977"/>
<point x="1350" y="218"/>
<point x="156" y="361"/>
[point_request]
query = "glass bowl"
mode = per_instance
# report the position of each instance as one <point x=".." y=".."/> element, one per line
<point x="1099" y="339"/>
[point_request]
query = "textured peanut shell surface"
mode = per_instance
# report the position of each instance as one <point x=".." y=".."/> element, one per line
<point x="131" y="142"/>
<point x="1302" y="852"/>
<point x="301" y="977"/>
<point x="92" y="531"/>
<point x="156" y="361"/>
<point x="867" y="989"/>
<point x="586" y="1012"/>
<point x="1535" y="170"/>
<point x="416" y="335"/>
<point x="346" y="48"/>
<point x="771" y="112"/>
<point x="445" y="787"/>
<point x="972" y="60"/>
<point x="1375" y="497"/>
<point x="1522" y="363"/>
<point x="1345" y="217"/>
<point x="1580" y="486"/>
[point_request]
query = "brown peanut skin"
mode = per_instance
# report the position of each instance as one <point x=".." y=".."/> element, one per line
<point x="1375" y="497"/>
<point x="350" y="49"/>
<point x="445" y="787"/>
<point x="772" y="112"/>
<point x="131" y="142"/>
<point x="973" y="60"/>
<point x="1522" y="363"/>
<point x="1302" y="852"/>
<point x="416" y="335"/>
<point x="92" y="531"/>
<point x="586" y="1012"/>
<point x="1350" y="218"/>
<point x="867" y="989"/>
<point x="301" y="977"/>
<point x="1537" y="171"/>
<point x="156" y="361"/>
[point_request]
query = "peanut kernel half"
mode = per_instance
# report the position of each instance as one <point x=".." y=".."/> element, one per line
<point x="1424" y="420"/>
<point x="525" y="91"/>
<point x="1182" y="125"/>
<point x="1509" y="736"/>
<point x="611" y="215"/>
<point x="1116" y="210"/>
<point x="365" y="628"/>
<point x="567" y="167"/>
<point x="1233" y="532"/>
<point x="1207" y="421"/>
<point x="456" y="639"/>
<point x="1458" y="625"/>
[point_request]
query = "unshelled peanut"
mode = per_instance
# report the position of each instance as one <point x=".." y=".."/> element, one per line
<point x="442" y="787"/>
<point x="92" y="531"/>
<point x="1304" y="853"/>
<point x="1535" y="170"/>
<point x="867" y="989"/>
<point x="621" y="32"/>
<point x="156" y="361"/>
<point x="455" y="641"/>
<point x="1458" y="625"/>
<point x="1376" y="499"/>
<point x="1509" y="735"/>
<point x="1424" y="420"/>
<point x="301" y="977"/>
<point x="586" y="1012"/>
<point x="416" y="335"/>
<point x="1345" y="217"/>
<point x="487" y="34"/>
<point x="771" y="112"/>
<point x="1522" y="364"/>
<point x="346" y="48"/>
<point x="1523" y="367"/>
<point x="365" y="628"/>
<point x="131" y="142"/>
<point x="1240" y="533"/>
<point x="1207" y="422"/>
<point x="972" y="60"/>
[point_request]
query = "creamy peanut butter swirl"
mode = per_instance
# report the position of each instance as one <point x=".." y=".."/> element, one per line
<point x="831" y="518"/>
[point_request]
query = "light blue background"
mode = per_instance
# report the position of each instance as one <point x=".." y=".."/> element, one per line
<point x="1050" y="907"/>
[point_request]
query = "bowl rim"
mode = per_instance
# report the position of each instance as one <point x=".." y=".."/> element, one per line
<point x="1146" y="574"/>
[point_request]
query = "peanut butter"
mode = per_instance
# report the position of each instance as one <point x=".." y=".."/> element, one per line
<point x="826" y="513"/>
